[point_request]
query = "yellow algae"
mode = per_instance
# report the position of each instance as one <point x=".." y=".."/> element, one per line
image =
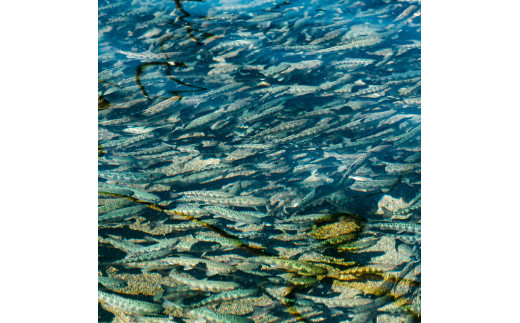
<point x="242" y="307"/>
<point x="144" y="284"/>
<point x="335" y="229"/>
<point x="318" y="257"/>
<point x="173" y="310"/>
<point x="344" y="289"/>
<point x="377" y="288"/>
<point x="288" y="252"/>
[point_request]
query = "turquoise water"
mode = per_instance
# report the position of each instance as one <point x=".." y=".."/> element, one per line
<point x="259" y="161"/>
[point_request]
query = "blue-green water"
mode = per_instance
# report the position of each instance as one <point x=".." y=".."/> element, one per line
<point x="274" y="143"/>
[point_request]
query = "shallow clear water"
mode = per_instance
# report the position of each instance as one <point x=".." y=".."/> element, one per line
<point x="274" y="143"/>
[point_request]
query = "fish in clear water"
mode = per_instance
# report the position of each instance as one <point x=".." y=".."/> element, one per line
<point x="232" y="134"/>
<point x="300" y="267"/>
<point x="111" y="282"/>
<point x="211" y="316"/>
<point x="204" y="285"/>
<point x="212" y="267"/>
<point x="232" y="215"/>
<point x="128" y="305"/>
<point x="121" y="214"/>
<point x="225" y="297"/>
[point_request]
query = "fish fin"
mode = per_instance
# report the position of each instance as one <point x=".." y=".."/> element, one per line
<point x="210" y="273"/>
<point x="147" y="269"/>
<point x="175" y="304"/>
<point x="168" y="290"/>
<point x="158" y="296"/>
<point x="154" y="224"/>
<point x="239" y="224"/>
<point x="234" y="262"/>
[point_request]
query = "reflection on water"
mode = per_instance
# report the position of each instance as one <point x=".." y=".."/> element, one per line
<point x="259" y="161"/>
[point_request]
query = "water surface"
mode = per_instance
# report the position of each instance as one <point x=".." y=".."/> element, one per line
<point x="274" y="143"/>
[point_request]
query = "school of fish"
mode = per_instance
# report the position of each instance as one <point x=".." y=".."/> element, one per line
<point x="259" y="161"/>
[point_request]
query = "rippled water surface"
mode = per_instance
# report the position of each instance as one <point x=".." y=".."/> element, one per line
<point x="259" y="161"/>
